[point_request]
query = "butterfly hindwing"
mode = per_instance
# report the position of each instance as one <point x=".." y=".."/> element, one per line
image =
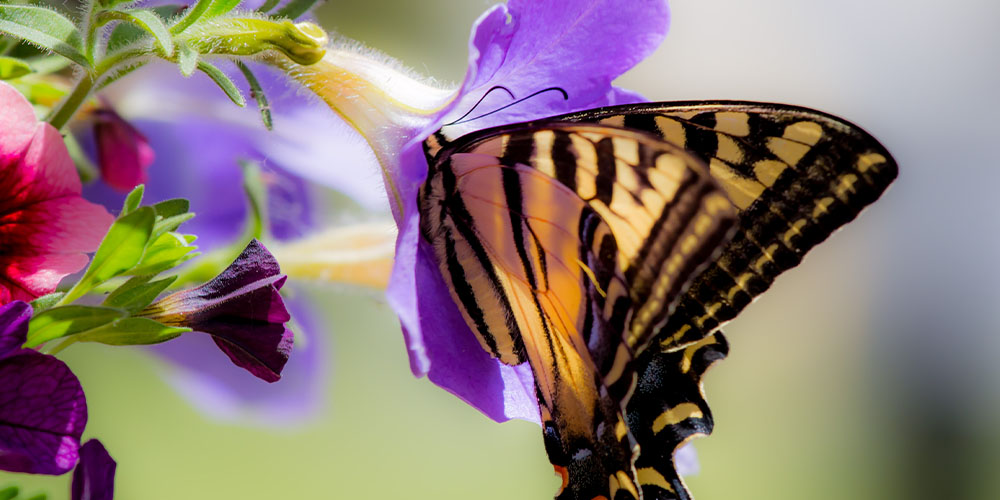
<point x="795" y="175"/>
<point x="668" y="408"/>
<point x="566" y="245"/>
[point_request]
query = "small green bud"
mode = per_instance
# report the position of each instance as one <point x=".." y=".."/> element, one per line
<point x="304" y="43"/>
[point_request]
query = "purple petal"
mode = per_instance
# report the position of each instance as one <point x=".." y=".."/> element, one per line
<point x="261" y="349"/>
<point x="578" y="46"/>
<point x="686" y="460"/>
<point x="42" y="414"/>
<point x="14" y="318"/>
<point x="255" y="263"/>
<point x="462" y="366"/>
<point x="218" y="388"/>
<point x="199" y="137"/>
<point x="94" y="476"/>
<point x="242" y="310"/>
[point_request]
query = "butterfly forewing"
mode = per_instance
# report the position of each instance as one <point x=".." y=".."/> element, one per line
<point x="795" y="175"/>
<point x="566" y="245"/>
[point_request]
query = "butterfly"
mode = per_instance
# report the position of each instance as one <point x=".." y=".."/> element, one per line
<point x="607" y="247"/>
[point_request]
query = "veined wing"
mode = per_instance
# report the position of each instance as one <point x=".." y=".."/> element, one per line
<point x="794" y="174"/>
<point x="566" y="245"/>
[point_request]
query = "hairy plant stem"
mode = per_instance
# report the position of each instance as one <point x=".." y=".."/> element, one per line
<point x="60" y="116"/>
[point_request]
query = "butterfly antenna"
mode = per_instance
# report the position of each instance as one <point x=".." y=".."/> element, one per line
<point x="480" y="101"/>
<point x="525" y="98"/>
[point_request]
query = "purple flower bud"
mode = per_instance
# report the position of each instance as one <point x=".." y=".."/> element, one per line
<point x="242" y="310"/>
<point x="94" y="477"/>
<point x="123" y="153"/>
<point x="42" y="407"/>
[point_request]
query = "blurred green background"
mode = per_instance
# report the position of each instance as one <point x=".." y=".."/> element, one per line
<point x="869" y="372"/>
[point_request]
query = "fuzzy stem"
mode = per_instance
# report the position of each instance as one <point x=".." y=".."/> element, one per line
<point x="68" y="107"/>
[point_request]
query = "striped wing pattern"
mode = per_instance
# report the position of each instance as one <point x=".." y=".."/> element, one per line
<point x="576" y="242"/>
<point x="565" y="245"/>
<point x="667" y="409"/>
<point x="795" y="174"/>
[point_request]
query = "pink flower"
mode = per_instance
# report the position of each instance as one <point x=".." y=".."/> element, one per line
<point x="123" y="153"/>
<point x="45" y="226"/>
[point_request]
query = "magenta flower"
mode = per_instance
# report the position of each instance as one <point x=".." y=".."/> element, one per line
<point x="45" y="226"/>
<point x="42" y="407"/>
<point x="241" y="309"/>
<point x="553" y="57"/>
<point x="94" y="476"/>
<point x="123" y="153"/>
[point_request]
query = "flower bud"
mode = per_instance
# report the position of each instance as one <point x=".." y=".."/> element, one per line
<point x="241" y="309"/>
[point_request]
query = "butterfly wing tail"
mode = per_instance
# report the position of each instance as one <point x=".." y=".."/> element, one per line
<point x="667" y="409"/>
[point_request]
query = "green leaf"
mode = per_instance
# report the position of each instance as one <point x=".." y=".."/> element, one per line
<point x="45" y="28"/>
<point x="168" y="251"/>
<point x="120" y="71"/>
<point x="170" y="214"/>
<point x="129" y="331"/>
<point x="295" y="8"/>
<point x="170" y="224"/>
<point x="9" y="493"/>
<point x="191" y="16"/>
<point x="45" y="301"/>
<point x="223" y="82"/>
<point x="40" y="496"/>
<point x="148" y="21"/>
<point x="68" y="320"/>
<point x="171" y="207"/>
<point x="268" y="5"/>
<point x="257" y="93"/>
<point x="12" y="67"/>
<point x="134" y="199"/>
<point x="121" y="249"/>
<point x="221" y="7"/>
<point x="123" y="35"/>
<point x="45" y="65"/>
<point x="253" y="186"/>
<point x="137" y="293"/>
<point x="187" y="59"/>
<point x="110" y="4"/>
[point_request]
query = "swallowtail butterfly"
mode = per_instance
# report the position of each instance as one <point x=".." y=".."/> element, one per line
<point x="607" y="247"/>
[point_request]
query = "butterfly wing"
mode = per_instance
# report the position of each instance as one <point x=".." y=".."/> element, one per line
<point x="566" y="245"/>
<point x="667" y="409"/>
<point x="796" y="175"/>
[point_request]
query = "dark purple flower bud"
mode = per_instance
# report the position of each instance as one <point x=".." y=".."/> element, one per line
<point x="42" y="407"/>
<point x="242" y="310"/>
<point x="94" y="476"/>
<point x="123" y="153"/>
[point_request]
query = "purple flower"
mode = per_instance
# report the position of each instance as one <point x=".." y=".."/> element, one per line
<point x="241" y="309"/>
<point x="94" y="476"/>
<point x="123" y="153"/>
<point x="525" y="47"/>
<point x="200" y="137"/>
<point x="42" y="407"/>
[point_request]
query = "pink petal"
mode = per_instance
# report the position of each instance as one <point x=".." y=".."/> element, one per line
<point x="17" y="121"/>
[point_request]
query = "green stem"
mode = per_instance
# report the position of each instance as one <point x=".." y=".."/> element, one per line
<point x="68" y="107"/>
